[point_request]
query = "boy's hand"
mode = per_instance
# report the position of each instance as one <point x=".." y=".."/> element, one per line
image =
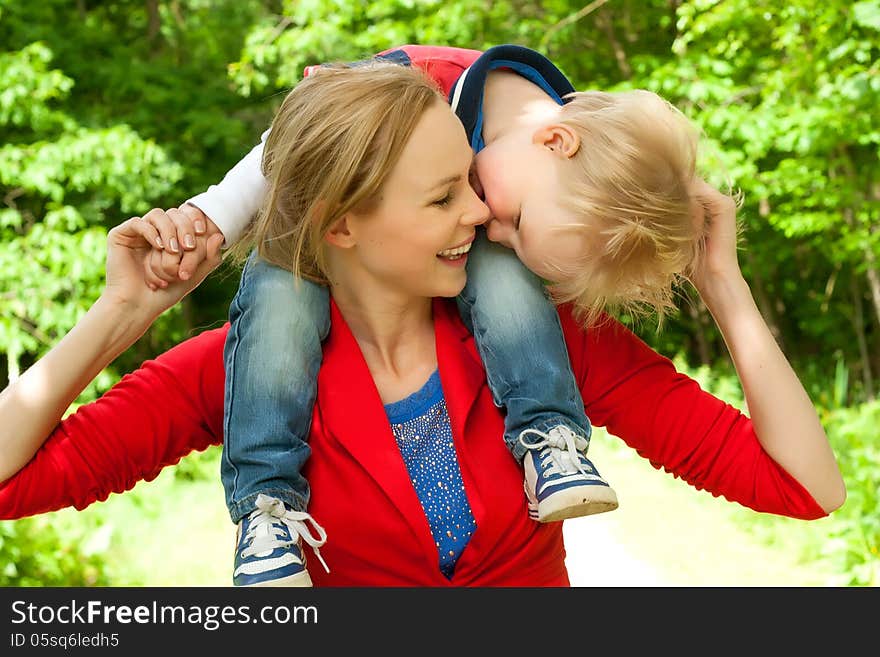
<point x="175" y="234"/>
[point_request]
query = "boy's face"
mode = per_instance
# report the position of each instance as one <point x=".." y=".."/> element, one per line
<point x="518" y="179"/>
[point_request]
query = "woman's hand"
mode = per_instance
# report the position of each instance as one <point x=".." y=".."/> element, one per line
<point x="131" y="252"/>
<point x="718" y="265"/>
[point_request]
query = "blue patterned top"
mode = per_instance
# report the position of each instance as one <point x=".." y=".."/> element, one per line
<point x="420" y="423"/>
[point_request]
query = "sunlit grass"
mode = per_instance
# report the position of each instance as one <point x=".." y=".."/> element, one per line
<point x="168" y="532"/>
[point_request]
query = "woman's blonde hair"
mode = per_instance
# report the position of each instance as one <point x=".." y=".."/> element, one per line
<point x="630" y="182"/>
<point x="333" y="143"/>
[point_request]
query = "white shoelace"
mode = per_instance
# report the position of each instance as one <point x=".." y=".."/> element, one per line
<point x="563" y="447"/>
<point x="264" y="533"/>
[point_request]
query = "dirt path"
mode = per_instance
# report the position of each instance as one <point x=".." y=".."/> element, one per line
<point x="666" y="533"/>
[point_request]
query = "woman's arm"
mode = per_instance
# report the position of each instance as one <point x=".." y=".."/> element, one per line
<point x="166" y="409"/>
<point x="784" y="418"/>
<point x="32" y="405"/>
<point x="777" y="462"/>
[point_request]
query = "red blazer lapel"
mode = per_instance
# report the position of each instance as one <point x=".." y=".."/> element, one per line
<point x="353" y="414"/>
<point x="461" y="371"/>
<point x="462" y="376"/>
<point x="491" y="475"/>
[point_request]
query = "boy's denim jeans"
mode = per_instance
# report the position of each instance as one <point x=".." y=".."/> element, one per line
<point x="518" y="334"/>
<point x="273" y="354"/>
<point x="272" y="357"/>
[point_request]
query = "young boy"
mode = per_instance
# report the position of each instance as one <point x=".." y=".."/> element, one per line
<point x="590" y="190"/>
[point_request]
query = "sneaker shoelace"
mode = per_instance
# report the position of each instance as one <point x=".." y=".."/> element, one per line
<point x="265" y="530"/>
<point x="563" y="448"/>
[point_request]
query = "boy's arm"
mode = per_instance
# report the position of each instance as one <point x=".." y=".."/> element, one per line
<point x="225" y="208"/>
<point x="232" y="203"/>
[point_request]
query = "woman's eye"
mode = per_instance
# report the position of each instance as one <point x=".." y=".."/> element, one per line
<point x="443" y="202"/>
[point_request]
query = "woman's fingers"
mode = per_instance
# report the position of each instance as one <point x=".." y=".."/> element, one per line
<point x="135" y="229"/>
<point x="715" y="203"/>
<point x="166" y="229"/>
<point x="184" y="227"/>
<point x="198" y="218"/>
<point x="141" y="227"/>
<point x="181" y="237"/>
<point x="175" y="228"/>
<point x="133" y="248"/>
<point x="717" y="214"/>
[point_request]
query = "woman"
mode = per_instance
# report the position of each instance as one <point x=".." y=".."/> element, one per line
<point x="395" y="341"/>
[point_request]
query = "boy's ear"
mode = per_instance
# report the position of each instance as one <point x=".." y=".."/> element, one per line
<point x="559" y="138"/>
<point x="339" y="234"/>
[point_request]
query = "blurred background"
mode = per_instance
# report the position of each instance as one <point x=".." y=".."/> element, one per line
<point x="108" y="109"/>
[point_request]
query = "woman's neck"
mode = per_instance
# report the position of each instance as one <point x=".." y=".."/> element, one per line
<point x="395" y="335"/>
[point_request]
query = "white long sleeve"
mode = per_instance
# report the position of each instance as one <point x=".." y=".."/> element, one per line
<point x="232" y="203"/>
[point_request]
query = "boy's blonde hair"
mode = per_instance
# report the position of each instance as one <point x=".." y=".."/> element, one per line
<point x="630" y="181"/>
<point x="333" y="143"/>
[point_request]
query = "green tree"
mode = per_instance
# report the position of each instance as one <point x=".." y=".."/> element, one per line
<point x="59" y="180"/>
<point x="786" y="90"/>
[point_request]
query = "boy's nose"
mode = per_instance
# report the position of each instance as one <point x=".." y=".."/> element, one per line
<point x="498" y="232"/>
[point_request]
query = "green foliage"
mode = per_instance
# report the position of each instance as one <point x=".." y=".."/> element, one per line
<point x="93" y="547"/>
<point x="200" y="466"/>
<point x="59" y="180"/>
<point x="35" y="552"/>
<point x="856" y="532"/>
<point x="794" y="87"/>
<point x="28" y="88"/>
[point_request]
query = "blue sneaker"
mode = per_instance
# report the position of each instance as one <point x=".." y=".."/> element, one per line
<point x="561" y="482"/>
<point x="268" y="552"/>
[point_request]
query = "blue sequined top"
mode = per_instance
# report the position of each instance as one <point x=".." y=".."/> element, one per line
<point x="420" y="423"/>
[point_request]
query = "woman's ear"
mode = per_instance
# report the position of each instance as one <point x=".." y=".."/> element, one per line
<point x="339" y="234"/>
<point x="558" y="138"/>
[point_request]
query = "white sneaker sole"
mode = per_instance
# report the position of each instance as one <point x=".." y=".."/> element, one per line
<point x="573" y="503"/>
<point x="300" y="579"/>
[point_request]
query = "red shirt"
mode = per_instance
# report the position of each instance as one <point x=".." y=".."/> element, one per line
<point x="377" y="531"/>
<point x="442" y="63"/>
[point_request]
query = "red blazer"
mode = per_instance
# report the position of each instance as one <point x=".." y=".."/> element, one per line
<point x="361" y="494"/>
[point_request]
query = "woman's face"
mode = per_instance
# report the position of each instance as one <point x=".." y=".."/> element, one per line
<point x="415" y="240"/>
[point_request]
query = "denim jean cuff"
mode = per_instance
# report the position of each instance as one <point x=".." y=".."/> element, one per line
<point x="519" y="451"/>
<point x="238" y="510"/>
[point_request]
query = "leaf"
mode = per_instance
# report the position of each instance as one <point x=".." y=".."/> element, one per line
<point x="867" y="14"/>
